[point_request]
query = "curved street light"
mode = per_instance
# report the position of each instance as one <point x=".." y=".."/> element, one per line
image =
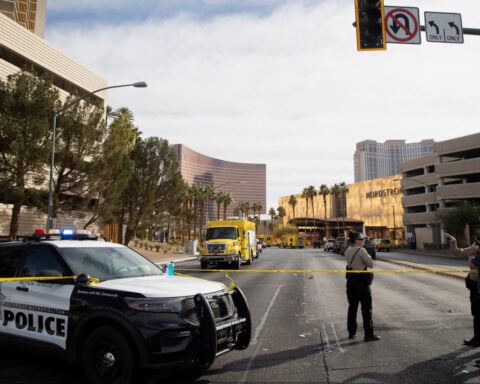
<point x="56" y="112"/>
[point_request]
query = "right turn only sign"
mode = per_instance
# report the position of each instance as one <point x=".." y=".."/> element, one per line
<point x="402" y="25"/>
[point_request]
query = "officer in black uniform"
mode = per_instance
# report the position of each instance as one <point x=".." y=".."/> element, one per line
<point x="358" y="287"/>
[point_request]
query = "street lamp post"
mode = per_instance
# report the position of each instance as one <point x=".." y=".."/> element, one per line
<point x="394" y="225"/>
<point x="140" y="84"/>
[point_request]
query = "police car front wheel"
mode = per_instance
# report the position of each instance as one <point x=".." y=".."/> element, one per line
<point x="107" y="358"/>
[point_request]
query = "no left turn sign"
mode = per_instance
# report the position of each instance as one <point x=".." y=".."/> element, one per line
<point x="402" y="25"/>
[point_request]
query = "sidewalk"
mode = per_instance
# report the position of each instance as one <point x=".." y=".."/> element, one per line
<point x="430" y="260"/>
<point x="161" y="257"/>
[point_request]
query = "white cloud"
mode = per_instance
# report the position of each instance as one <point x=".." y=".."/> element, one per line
<point x="284" y="87"/>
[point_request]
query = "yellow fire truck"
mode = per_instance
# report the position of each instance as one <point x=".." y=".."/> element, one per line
<point x="292" y="241"/>
<point x="267" y="239"/>
<point x="230" y="241"/>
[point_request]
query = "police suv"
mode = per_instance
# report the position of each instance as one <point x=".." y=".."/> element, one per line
<point x="108" y="308"/>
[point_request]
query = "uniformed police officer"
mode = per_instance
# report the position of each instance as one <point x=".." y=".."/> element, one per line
<point x="358" y="287"/>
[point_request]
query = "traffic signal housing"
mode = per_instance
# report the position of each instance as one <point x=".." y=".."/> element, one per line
<point x="370" y="25"/>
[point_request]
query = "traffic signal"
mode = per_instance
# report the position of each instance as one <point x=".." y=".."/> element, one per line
<point x="370" y="25"/>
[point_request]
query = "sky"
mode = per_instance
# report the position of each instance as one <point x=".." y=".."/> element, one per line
<point x="276" y="82"/>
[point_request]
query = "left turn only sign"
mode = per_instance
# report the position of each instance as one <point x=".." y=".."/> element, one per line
<point x="402" y="25"/>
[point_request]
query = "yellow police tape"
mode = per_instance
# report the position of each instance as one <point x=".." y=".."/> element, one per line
<point x="327" y="270"/>
<point x="94" y="280"/>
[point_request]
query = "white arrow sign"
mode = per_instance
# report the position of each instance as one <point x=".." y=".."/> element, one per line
<point x="443" y="27"/>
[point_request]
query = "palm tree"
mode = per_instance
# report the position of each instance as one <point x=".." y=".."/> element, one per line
<point x="209" y="191"/>
<point x="199" y="196"/>
<point x="227" y="200"/>
<point x="335" y="192"/>
<point x="343" y="189"/>
<point x="219" y="197"/>
<point x="281" y="213"/>
<point x="309" y="193"/>
<point x="272" y="213"/>
<point x="324" y="192"/>
<point x="257" y="208"/>
<point x="188" y="212"/>
<point x="306" y="196"/>
<point x="292" y="201"/>
<point x="245" y="208"/>
<point x="312" y="192"/>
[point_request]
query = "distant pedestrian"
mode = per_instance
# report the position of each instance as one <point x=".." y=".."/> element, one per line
<point x="358" y="287"/>
<point x="471" y="282"/>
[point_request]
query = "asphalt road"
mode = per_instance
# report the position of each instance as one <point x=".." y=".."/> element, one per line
<point x="300" y="323"/>
<point x="299" y="319"/>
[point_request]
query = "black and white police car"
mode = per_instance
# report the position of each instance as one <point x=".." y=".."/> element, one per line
<point x="108" y="308"/>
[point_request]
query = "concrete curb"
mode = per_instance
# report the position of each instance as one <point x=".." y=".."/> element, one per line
<point x="458" y="275"/>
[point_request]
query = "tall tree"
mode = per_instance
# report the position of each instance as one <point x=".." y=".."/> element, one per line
<point x="324" y="191"/>
<point x="154" y="184"/>
<point x="312" y="192"/>
<point x="281" y="213"/>
<point x="209" y="190"/>
<point x="188" y="213"/>
<point x="227" y="200"/>
<point x="80" y="134"/>
<point x="306" y="196"/>
<point x="335" y="192"/>
<point x="26" y="105"/>
<point x="272" y="213"/>
<point x="343" y="189"/>
<point x="111" y="169"/>
<point x="244" y="207"/>
<point x="219" y="197"/>
<point x="309" y="194"/>
<point x="257" y="207"/>
<point x="339" y="191"/>
<point x="292" y="201"/>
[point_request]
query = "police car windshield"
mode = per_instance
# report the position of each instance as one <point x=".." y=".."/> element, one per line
<point x="106" y="263"/>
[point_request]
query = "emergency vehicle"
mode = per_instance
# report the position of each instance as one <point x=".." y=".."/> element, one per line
<point x="267" y="240"/>
<point x="106" y="307"/>
<point x="230" y="241"/>
<point x="292" y="241"/>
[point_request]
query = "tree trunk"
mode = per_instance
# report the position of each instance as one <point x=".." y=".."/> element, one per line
<point x="14" y="221"/>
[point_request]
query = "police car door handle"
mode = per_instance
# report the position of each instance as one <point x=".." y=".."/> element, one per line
<point x="24" y="289"/>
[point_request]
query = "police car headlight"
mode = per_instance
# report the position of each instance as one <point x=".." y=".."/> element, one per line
<point x="171" y="305"/>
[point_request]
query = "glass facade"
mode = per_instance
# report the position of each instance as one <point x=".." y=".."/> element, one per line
<point x="246" y="182"/>
<point x="373" y="160"/>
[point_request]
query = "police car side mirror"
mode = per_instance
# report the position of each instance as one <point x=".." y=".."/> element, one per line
<point x="83" y="278"/>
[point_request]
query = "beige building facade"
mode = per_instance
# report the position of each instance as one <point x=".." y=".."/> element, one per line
<point x="436" y="183"/>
